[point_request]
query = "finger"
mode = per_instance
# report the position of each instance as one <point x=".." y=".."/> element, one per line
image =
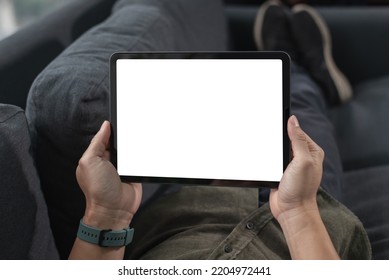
<point x="302" y="144"/>
<point x="100" y="142"/>
<point x="298" y="138"/>
<point x="314" y="149"/>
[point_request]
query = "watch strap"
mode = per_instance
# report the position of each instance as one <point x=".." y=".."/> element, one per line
<point x="105" y="237"/>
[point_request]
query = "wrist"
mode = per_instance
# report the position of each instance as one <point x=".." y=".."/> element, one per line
<point x="105" y="237"/>
<point x="106" y="219"/>
<point x="298" y="218"/>
<point x="306" y="234"/>
<point x="296" y="222"/>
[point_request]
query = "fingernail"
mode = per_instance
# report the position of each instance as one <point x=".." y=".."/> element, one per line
<point x="295" y="121"/>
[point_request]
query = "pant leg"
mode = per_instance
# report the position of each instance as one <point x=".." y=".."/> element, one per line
<point x="309" y="105"/>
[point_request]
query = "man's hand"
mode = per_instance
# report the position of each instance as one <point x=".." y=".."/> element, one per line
<point x="300" y="182"/>
<point x="110" y="204"/>
<point x="294" y="203"/>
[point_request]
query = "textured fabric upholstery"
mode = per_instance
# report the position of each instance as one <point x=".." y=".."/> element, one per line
<point x="25" y="229"/>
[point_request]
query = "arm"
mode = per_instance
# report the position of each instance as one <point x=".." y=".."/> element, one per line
<point x="294" y="203"/>
<point x="110" y="204"/>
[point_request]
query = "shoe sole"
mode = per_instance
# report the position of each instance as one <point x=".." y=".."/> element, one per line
<point x="259" y="22"/>
<point x="341" y="83"/>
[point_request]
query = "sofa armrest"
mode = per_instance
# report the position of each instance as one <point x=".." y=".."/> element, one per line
<point x="25" y="227"/>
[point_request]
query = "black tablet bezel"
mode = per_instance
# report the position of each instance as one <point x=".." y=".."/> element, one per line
<point x="202" y="55"/>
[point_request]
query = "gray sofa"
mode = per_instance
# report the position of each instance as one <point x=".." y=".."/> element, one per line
<point x="68" y="100"/>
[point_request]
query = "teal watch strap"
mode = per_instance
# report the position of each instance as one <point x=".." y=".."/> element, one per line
<point x="105" y="237"/>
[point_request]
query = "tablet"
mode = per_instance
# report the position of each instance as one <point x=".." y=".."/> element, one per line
<point x="200" y="118"/>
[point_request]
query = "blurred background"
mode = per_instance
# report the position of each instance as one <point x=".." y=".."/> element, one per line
<point x="15" y="14"/>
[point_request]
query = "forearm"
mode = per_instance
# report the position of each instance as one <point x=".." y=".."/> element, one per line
<point x="306" y="236"/>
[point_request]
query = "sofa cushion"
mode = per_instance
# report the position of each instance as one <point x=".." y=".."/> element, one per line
<point x="360" y="125"/>
<point x="69" y="99"/>
<point x="25" y="228"/>
<point x="366" y="194"/>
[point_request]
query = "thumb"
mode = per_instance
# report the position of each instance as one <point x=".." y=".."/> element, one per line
<point x="298" y="138"/>
<point x="100" y="141"/>
<point x="302" y="144"/>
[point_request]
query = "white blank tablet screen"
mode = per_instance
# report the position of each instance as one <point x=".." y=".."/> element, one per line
<point x="200" y="118"/>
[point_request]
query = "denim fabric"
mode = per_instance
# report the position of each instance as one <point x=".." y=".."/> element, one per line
<point x="308" y="104"/>
<point x="361" y="125"/>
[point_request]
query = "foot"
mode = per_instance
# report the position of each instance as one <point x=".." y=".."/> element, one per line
<point x="313" y="40"/>
<point x="272" y="30"/>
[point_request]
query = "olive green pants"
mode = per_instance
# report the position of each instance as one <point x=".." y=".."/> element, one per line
<point x="204" y="222"/>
